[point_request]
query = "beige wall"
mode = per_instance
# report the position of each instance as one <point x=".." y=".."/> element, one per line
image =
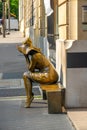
<point x="82" y="33"/>
<point x="73" y="19"/>
<point x="70" y="20"/>
<point x="62" y="19"/>
<point x="38" y="16"/>
<point x="21" y="15"/>
<point x="76" y="78"/>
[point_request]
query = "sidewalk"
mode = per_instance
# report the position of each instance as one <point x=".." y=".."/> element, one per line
<point x="79" y="117"/>
<point x="16" y="117"/>
<point x="13" y="116"/>
<point x="13" y="37"/>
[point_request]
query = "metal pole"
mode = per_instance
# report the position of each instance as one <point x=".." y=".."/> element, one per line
<point x="4" y="26"/>
<point x="9" y="16"/>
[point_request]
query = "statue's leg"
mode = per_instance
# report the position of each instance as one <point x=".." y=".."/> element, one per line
<point x="28" y="89"/>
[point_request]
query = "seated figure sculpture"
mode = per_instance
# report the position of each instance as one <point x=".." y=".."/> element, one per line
<point x="40" y="69"/>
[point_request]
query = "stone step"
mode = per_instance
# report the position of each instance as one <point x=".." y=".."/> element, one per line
<point x="11" y="83"/>
<point x="15" y="87"/>
<point x="17" y="92"/>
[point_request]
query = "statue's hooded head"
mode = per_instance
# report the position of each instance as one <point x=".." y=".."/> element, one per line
<point x="27" y="48"/>
<point x="28" y="42"/>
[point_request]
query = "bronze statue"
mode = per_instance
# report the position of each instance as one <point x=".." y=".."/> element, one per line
<point x="40" y="69"/>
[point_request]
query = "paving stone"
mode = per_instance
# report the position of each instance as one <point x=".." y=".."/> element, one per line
<point x="13" y="116"/>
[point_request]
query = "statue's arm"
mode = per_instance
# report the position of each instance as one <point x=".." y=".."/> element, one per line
<point x="27" y="61"/>
<point x="32" y="64"/>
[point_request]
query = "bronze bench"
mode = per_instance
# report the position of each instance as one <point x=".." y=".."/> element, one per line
<point x="55" y="96"/>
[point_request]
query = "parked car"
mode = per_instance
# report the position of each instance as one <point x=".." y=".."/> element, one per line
<point x="13" y="24"/>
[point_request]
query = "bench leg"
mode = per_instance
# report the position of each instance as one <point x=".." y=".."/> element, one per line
<point x="44" y="95"/>
<point x="63" y="96"/>
<point x="54" y="102"/>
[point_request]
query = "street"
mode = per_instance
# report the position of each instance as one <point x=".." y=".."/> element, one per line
<point x="12" y="66"/>
<point x="12" y="62"/>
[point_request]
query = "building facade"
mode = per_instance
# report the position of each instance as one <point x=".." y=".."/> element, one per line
<point x="73" y="19"/>
<point x="72" y="50"/>
<point x="65" y="30"/>
<point x="33" y="20"/>
<point x="69" y="18"/>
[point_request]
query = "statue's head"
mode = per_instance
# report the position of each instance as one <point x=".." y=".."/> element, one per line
<point x="28" y="42"/>
<point x="27" y="48"/>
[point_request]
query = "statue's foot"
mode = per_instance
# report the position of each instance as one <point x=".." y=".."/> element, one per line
<point x="28" y="102"/>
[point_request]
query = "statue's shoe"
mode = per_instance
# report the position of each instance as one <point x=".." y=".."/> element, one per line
<point x="28" y="102"/>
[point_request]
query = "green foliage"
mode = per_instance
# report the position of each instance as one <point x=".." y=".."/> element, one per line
<point x="14" y="7"/>
<point x="0" y="9"/>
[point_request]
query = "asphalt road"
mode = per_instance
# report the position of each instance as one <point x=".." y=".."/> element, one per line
<point x="12" y="62"/>
<point x="12" y="66"/>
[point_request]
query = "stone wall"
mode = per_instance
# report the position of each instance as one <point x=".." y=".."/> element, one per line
<point x="76" y="73"/>
<point x="71" y="65"/>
